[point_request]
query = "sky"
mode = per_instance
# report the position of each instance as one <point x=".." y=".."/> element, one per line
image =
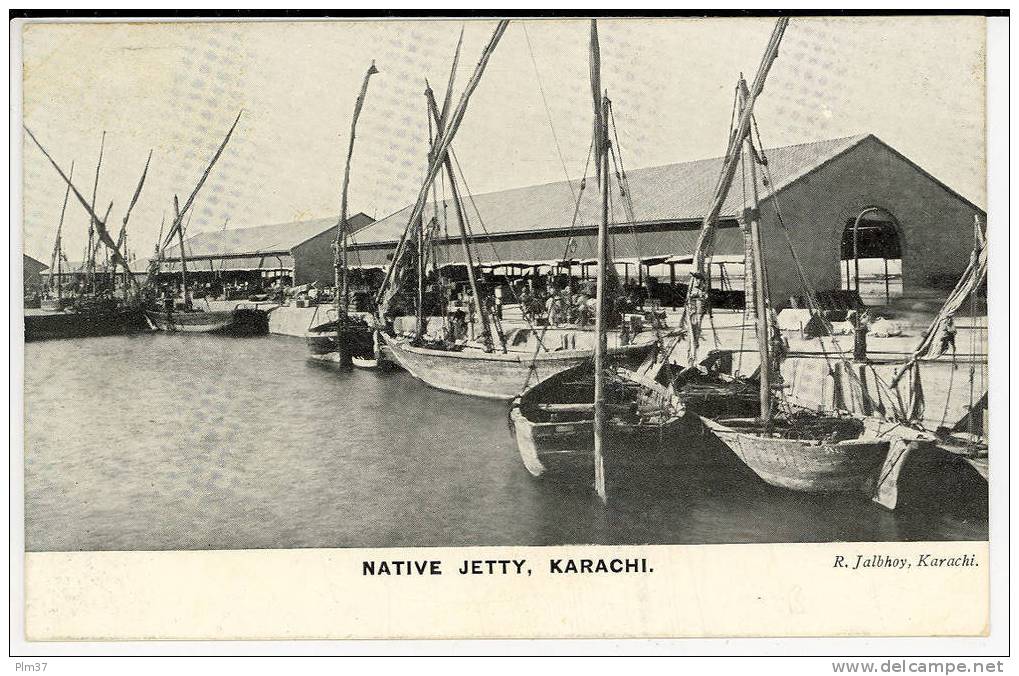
<point x="175" y="88"/>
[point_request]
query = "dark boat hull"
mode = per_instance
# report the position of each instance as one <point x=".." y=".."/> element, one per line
<point x="322" y="340"/>
<point x="565" y="447"/>
<point x="84" y="324"/>
<point x="238" y="321"/>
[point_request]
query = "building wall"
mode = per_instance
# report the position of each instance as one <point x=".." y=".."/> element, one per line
<point x="32" y="270"/>
<point x="936" y="224"/>
<point x="313" y="259"/>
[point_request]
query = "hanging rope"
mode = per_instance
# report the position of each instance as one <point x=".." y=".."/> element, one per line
<point x="812" y="303"/>
<point x="488" y="237"/>
<point x="548" y="111"/>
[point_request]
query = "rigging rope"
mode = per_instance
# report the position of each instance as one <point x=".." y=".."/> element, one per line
<point x="548" y="112"/>
<point x="812" y="303"/>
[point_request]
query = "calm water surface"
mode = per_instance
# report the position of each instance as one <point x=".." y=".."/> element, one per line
<point x="200" y="442"/>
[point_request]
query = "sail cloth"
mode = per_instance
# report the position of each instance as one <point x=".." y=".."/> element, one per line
<point x="931" y="346"/>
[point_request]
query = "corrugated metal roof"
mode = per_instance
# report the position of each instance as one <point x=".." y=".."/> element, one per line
<point x="138" y="266"/>
<point x="671" y="192"/>
<point x="275" y="238"/>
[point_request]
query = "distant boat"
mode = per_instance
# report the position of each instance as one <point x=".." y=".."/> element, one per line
<point x="162" y="313"/>
<point x="86" y="319"/>
<point x="324" y="339"/>
<point x="236" y="321"/>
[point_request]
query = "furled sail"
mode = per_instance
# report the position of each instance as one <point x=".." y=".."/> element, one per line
<point x="706" y="238"/>
<point x="930" y="346"/>
<point x="390" y="287"/>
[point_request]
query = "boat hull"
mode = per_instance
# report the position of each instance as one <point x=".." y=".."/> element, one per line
<point x="496" y="375"/>
<point x="322" y="340"/>
<point x="84" y="324"/>
<point x="239" y="321"/>
<point x="566" y="447"/>
<point x="806" y="465"/>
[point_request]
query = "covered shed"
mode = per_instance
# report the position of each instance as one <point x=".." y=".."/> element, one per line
<point x="821" y="190"/>
<point x="33" y="274"/>
<point x="301" y="251"/>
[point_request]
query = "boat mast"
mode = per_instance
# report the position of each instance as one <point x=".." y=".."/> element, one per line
<point x="706" y="238"/>
<point x="420" y="325"/>
<point x="178" y="219"/>
<point x="90" y="272"/>
<point x="340" y="286"/>
<point x="486" y="331"/>
<point x="183" y="258"/>
<point x="384" y="295"/>
<point x="761" y="299"/>
<point x="100" y="223"/>
<point x="122" y="237"/>
<point x="601" y="103"/>
<point x="55" y="261"/>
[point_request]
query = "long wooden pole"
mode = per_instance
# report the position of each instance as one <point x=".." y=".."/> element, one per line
<point x="55" y="262"/>
<point x="341" y="292"/>
<point x="122" y="237"/>
<point x="442" y="148"/>
<point x="420" y="327"/>
<point x="100" y="223"/>
<point x="706" y="238"/>
<point x="340" y="255"/>
<point x="760" y="284"/>
<point x="486" y="331"/>
<point x="601" y="316"/>
<point x="178" y="221"/>
<point x="91" y="269"/>
<point x="183" y="261"/>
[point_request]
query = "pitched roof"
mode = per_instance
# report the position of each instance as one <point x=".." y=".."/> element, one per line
<point x="261" y="239"/>
<point x="680" y="191"/>
<point x="139" y="265"/>
<point x="30" y="262"/>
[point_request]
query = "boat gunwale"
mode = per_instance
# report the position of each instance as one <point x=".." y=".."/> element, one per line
<point x="478" y="354"/>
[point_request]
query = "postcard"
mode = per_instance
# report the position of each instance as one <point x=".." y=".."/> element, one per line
<point x="443" y="328"/>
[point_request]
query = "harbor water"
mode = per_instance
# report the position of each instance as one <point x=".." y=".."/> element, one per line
<point x="169" y="441"/>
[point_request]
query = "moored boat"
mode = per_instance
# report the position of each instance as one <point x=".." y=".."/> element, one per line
<point x="86" y="321"/>
<point x="355" y="333"/>
<point x="785" y="445"/>
<point x="553" y="422"/>
<point x="472" y="370"/>
<point x="236" y="321"/>
<point x="813" y="453"/>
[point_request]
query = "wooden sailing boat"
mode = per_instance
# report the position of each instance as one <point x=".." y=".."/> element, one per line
<point x="93" y="311"/>
<point x="903" y="426"/>
<point x="54" y="297"/>
<point x="787" y="447"/>
<point x="477" y="367"/>
<point x="596" y="413"/>
<point x="345" y="339"/>
<point x="165" y="315"/>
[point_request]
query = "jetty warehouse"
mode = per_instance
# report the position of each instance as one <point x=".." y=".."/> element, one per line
<point x="300" y="251"/>
<point x="825" y="190"/>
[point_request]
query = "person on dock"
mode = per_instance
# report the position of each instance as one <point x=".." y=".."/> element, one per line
<point x="948" y="332"/>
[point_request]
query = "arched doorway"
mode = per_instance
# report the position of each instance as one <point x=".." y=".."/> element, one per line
<point x="872" y="255"/>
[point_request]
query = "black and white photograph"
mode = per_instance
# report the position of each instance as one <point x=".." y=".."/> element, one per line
<point x="474" y="282"/>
